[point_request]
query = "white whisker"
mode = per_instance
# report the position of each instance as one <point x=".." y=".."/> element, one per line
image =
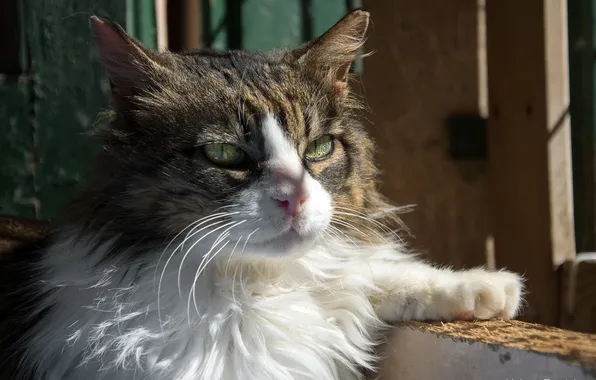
<point x="344" y="223"/>
<point x="236" y="270"/>
<point x="231" y="254"/>
<point x="372" y="221"/>
<point x="192" y="293"/>
<point x="190" y="249"/>
<point x="193" y="225"/>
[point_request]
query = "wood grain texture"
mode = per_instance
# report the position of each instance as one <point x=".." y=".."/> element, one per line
<point x="424" y="70"/>
<point x="578" y="310"/>
<point x="529" y="169"/>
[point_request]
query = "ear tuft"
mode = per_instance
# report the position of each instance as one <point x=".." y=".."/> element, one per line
<point x="337" y="48"/>
<point x="126" y="60"/>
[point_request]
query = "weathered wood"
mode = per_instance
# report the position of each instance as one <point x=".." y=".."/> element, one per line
<point x="491" y="350"/>
<point x="17" y="185"/>
<point x="528" y="140"/>
<point x="559" y="129"/>
<point x="579" y="294"/>
<point x="426" y="69"/>
<point x="70" y="89"/>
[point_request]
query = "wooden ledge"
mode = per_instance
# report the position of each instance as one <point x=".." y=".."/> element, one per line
<point x="17" y="230"/>
<point x="487" y="350"/>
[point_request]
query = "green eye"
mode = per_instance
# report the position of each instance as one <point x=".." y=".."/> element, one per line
<point x="224" y="154"/>
<point x="320" y="148"/>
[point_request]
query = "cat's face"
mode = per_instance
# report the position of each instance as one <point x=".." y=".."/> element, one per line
<point x="261" y="150"/>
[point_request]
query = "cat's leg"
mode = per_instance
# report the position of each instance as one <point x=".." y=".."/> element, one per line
<point x="412" y="290"/>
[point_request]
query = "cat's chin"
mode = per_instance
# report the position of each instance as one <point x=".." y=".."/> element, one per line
<point x="289" y="244"/>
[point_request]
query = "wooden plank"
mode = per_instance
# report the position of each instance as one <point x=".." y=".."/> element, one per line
<point x="583" y="123"/>
<point x="161" y="24"/>
<point x="270" y="24"/>
<point x="141" y="22"/>
<point x="185" y="29"/>
<point x="491" y="350"/>
<point x="579" y="294"/>
<point x="70" y="88"/>
<point x="17" y="186"/>
<point x="425" y="69"/>
<point x="15" y="231"/>
<point x="267" y="24"/>
<point x="215" y="24"/>
<point x="559" y="129"/>
<point x="529" y="171"/>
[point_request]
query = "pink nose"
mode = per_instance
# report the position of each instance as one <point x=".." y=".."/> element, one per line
<point x="292" y="204"/>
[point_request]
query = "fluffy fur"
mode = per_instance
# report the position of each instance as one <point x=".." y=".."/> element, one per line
<point x="173" y="267"/>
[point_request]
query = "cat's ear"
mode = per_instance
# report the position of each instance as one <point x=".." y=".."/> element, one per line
<point x="129" y="64"/>
<point x="336" y="49"/>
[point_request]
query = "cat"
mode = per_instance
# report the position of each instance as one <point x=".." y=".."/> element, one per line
<point x="230" y="228"/>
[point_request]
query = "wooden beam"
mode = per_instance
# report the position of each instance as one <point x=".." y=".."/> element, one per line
<point x="15" y="230"/>
<point x="583" y="119"/>
<point x="184" y="19"/>
<point x="491" y="350"/>
<point x="69" y="89"/>
<point x="426" y="70"/>
<point x="579" y="294"/>
<point x="529" y="146"/>
<point x="161" y="24"/>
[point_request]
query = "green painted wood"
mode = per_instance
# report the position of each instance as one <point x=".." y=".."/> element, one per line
<point x="270" y="24"/>
<point x="582" y="30"/>
<point x="215" y="24"/>
<point x="70" y="88"/>
<point x="140" y="21"/>
<point x="325" y="13"/>
<point x="17" y="187"/>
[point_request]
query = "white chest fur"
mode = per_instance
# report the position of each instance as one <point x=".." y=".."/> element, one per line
<point x="306" y="319"/>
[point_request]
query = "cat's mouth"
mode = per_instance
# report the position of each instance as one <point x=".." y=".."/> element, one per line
<point x="288" y="242"/>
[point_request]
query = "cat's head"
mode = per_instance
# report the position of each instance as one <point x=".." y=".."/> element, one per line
<point x="262" y="149"/>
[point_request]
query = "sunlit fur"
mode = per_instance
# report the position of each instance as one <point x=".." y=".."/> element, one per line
<point x="171" y="267"/>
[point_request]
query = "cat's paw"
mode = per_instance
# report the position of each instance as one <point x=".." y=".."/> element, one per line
<point x="477" y="294"/>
